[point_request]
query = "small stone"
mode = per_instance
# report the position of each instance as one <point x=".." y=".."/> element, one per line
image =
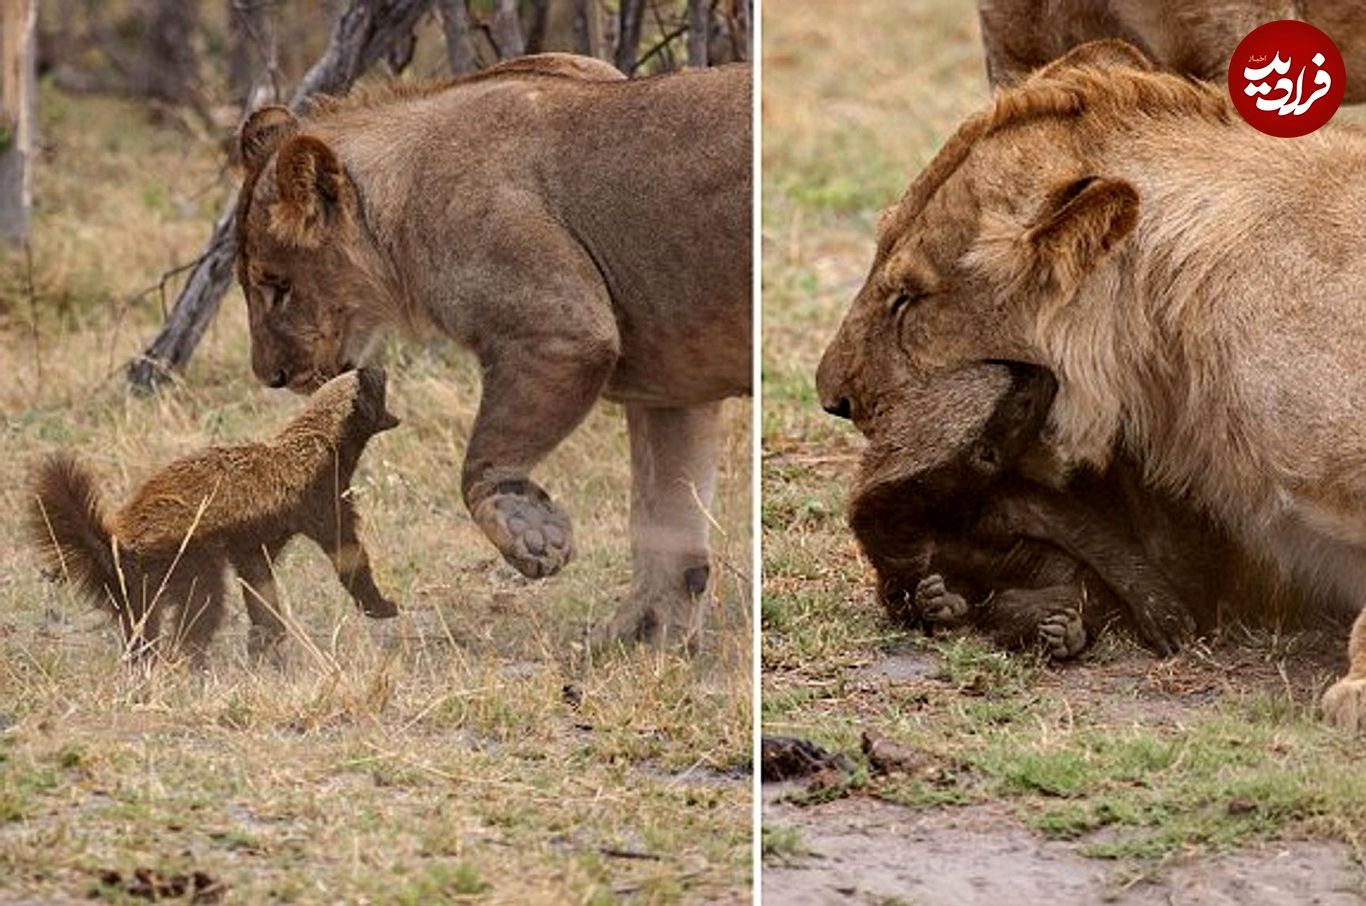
<point x="889" y="757"/>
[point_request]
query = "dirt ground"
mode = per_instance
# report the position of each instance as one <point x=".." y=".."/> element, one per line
<point x="876" y="852"/>
<point x="861" y="847"/>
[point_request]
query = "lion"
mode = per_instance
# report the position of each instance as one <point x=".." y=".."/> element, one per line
<point x="168" y="547"/>
<point x="585" y="236"/>
<point x="1194" y="37"/>
<point x="1191" y="283"/>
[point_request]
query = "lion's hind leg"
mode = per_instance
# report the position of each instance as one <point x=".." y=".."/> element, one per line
<point x="673" y="477"/>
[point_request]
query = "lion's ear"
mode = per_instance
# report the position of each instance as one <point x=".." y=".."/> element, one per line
<point x="1080" y="222"/>
<point x="1108" y="53"/>
<point x="310" y="180"/>
<point x="884" y="219"/>
<point x="263" y="132"/>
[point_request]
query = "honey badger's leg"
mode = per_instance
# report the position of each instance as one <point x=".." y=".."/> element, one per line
<point x="534" y="394"/>
<point x="198" y="597"/>
<point x="1049" y="616"/>
<point x="1103" y="544"/>
<point x="1030" y="594"/>
<point x="336" y="533"/>
<point x="673" y="477"/>
<point x="253" y="568"/>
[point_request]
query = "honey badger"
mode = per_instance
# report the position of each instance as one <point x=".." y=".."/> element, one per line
<point x="166" y="550"/>
<point x="959" y="535"/>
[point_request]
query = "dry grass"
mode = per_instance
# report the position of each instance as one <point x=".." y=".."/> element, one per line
<point x="854" y="105"/>
<point x="441" y="762"/>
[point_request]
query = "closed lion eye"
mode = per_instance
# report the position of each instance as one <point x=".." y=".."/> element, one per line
<point x="903" y="299"/>
<point x="275" y="291"/>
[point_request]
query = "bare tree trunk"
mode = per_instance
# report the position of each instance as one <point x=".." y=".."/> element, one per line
<point x="254" y="57"/>
<point x="169" y="66"/>
<point x="246" y="31"/>
<point x="455" y="22"/>
<point x="744" y="18"/>
<point x="535" y="33"/>
<point x="588" y="29"/>
<point x="583" y="43"/>
<point x="699" y="32"/>
<point x="363" y="35"/>
<point x="632" y="13"/>
<point x="18" y="53"/>
<point x="506" y="30"/>
<point x="400" y="54"/>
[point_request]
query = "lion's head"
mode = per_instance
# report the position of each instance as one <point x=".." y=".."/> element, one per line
<point x="316" y="283"/>
<point x="996" y="237"/>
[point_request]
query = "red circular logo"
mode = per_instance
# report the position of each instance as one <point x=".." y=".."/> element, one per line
<point x="1287" y="78"/>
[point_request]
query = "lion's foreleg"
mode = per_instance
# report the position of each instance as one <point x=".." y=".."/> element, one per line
<point x="1344" y="704"/>
<point x="673" y="478"/>
<point x="532" y="398"/>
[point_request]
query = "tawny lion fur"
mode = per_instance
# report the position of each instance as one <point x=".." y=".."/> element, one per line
<point x="1192" y="37"/>
<point x="168" y="547"/>
<point x="584" y="235"/>
<point x="1193" y="284"/>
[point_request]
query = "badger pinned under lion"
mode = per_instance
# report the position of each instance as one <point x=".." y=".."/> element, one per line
<point x="168" y="548"/>
<point x="1197" y="289"/>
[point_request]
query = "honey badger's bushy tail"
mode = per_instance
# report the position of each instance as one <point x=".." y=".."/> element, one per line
<point x="66" y="521"/>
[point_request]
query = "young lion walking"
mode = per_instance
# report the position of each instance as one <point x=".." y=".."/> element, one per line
<point x="168" y="547"/>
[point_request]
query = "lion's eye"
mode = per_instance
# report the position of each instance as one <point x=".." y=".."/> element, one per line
<point x="903" y="299"/>
<point x="276" y="292"/>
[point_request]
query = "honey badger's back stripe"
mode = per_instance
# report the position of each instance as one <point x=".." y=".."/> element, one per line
<point x="235" y="484"/>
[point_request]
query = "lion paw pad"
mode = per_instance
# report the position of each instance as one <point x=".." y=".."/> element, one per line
<point x="531" y="532"/>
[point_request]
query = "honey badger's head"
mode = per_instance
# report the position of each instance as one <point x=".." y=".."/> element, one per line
<point x="370" y="413"/>
<point x="355" y="405"/>
<point x="929" y="480"/>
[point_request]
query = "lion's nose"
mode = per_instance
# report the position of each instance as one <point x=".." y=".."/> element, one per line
<point x="840" y="408"/>
<point x="278" y="379"/>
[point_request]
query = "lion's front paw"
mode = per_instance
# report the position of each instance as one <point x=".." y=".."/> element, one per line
<point x="1344" y="704"/>
<point x="937" y="605"/>
<point x="1063" y="634"/>
<point x="531" y="532"/>
<point x="662" y="624"/>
